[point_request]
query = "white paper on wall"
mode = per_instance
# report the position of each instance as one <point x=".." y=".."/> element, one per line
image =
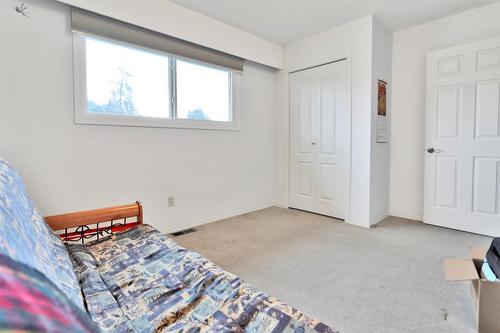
<point x="381" y="130"/>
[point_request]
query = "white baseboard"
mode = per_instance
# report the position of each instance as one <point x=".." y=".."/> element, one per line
<point x="170" y="229"/>
<point x="378" y="219"/>
<point x="406" y="216"/>
<point x="281" y="204"/>
<point x="356" y="223"/>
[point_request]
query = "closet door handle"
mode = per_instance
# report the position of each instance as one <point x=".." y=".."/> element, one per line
<point x="313" y="143"/>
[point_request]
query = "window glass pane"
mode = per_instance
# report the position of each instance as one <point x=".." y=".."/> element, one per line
<point x="126" y="81"/>
<point x="202" y="92"/>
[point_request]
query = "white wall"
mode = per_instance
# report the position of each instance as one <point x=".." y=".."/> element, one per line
<point x="380" y="152"/>
<point x="212" y="174"/>
<point x="174" y="20"/>
<point x="352" y="40"/>
<point x="408" y="102"/>
<point x="2" y="50"/>
<point x="243" y="170"/>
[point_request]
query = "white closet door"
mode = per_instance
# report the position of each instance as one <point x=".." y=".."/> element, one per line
<point x="462" y="162"/>
<point x="319" y="139"/>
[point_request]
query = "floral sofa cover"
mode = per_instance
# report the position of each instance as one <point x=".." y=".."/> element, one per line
<point x="136" y="281"/>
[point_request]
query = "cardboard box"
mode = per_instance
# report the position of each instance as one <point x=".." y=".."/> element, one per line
<point x="485" y="294"/>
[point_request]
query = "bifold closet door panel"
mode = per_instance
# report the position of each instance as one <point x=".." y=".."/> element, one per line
<point x="319" y="120"/>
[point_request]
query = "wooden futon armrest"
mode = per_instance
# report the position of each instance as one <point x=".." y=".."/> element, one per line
<point x="82" y="225"/>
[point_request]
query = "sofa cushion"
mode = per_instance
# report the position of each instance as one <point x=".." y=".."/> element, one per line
<point x="142" y="279"/>
<point x="29" y="302"/>
<point x="25" y="237"/>
<point x="101" y="304"/>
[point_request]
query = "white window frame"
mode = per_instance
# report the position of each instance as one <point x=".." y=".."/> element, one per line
<point x="83" y="117"/>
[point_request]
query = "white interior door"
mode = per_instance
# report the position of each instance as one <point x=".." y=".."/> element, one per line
<point x="319" y="139"/>
<point x="462" y="162"/>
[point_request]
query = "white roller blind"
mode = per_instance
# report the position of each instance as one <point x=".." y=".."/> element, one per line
<point x="86" y="22"/>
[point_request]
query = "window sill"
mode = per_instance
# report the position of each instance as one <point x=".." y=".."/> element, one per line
<point x="127" y="121"/>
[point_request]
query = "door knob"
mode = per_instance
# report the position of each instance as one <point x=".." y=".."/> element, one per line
<point x="313" y="143"/>
<point x="431" y="150"/>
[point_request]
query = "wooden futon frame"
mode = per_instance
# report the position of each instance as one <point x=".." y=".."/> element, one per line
<point x="95" y="223"/>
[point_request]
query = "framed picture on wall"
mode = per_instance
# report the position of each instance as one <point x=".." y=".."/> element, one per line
<point x="382" y="98"/>
<point x="382" y="112"/>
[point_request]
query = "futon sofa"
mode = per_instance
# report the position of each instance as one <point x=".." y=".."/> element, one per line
<point x="104" y="270"/>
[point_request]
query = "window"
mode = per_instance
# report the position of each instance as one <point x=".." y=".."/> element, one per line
<point x="120" y="84"/>
<point x="126" y="81"/>
<point x="202" y="92"/>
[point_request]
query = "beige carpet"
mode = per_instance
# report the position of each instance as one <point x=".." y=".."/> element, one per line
<point x="384" y="279"/>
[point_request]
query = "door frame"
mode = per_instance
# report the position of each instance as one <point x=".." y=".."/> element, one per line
<point x="339" y="58"/>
